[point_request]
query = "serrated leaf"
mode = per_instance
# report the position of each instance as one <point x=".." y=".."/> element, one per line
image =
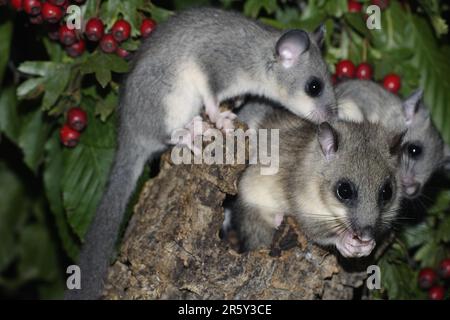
<point x="105" y="107"/>
<point x="86" y="169"/>
<point x="9" y="119"/>
<point x="52" y="183"/>
<point x="102" y="64"/>
<point x="36" y="68"/>
<point x="55" y="77"/>
<point x="31" y="88"/>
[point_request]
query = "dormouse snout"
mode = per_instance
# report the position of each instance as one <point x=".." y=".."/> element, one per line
<point x="412" y="190"/>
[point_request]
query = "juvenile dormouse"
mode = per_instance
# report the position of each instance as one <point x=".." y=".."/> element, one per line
<point x="196" y="59"/>
<point x="339" y="179"/>
<point x="424" y="150"/>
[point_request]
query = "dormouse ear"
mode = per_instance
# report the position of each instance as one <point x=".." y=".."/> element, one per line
<point x="319" y="35"/>
<point x="396" y="143"/>
<point x="411" y="105"/>
<point x="328" y="140"/>
<point x="291" y="45"/>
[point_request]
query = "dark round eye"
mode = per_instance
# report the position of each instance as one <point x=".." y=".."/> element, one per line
<point x="414" y="150"/>
<point x="386" y="193"/>
<point x="314" y="87"/>
<point x="345" y="191"/>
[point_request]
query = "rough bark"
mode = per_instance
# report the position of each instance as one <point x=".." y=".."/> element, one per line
<point x="172" y="248"/>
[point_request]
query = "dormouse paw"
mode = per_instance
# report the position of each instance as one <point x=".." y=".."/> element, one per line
<point x="224" y="120"/>
<point x="195" y="128"/>
<point x="350" y="246"/>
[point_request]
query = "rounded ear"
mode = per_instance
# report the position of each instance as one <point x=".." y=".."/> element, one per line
<point x="319" y="35"/>
<point x="328" y="140"/>
<point x="411" y="105"/>
<point x="291" y="45"/>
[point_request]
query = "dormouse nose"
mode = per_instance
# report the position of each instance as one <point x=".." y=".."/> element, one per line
<point x="412" y="190"/>
<point x="366" y="233"/>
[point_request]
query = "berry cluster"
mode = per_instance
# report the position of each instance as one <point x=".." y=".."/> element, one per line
<point x="430" y="280"/>
<point x="345" y="69"/>
<point x="69" y="134"/>
<point x="53" y="11"/>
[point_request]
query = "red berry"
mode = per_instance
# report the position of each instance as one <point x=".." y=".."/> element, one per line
<point x="147" y="26"/>
<point x="427" y="277"/>
<point x="345" y="69"/>
<point x="436" y="293"/>
<point x="36" y="19"/>
<point x="383" y="4"/>
<point x="32" y="7"/>
<point x="121" y="30"/>
<point x="94" y="29"/>
<point x="51" y="13"/>
<point x="121" y="52"/>
<point x="58" y="2"/>
<point x="67" y="36"/>
<point x="77" y="118"/>
<point x="76" y="49"/>
<point x="364" y="71"/>
<point x="354" y="6"/>
<point x="17" y="4"/>
<point x="108" y="44"/>
<point x="444" y="269"/>
<point x="68" y="136"/>
<point x="392" y="82"/>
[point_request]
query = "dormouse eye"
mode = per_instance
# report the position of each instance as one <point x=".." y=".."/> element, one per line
<point x="314" y="87"/>
<point x="345" y="191"/>
<point x="386" y="193"/>
<point x="414" y="150"/>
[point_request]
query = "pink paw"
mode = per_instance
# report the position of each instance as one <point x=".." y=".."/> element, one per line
<point x="195" y="128"/>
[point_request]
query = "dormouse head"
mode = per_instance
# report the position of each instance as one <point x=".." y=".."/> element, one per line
<point x="359" y="186"/>
<point x="423" y="151"/>
<point x="302" y="76"/>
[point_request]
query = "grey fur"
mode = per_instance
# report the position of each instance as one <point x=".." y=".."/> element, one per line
<point x="378" y="105"/>
<point x="309" y="170"/>
<point x="197" y="58"/>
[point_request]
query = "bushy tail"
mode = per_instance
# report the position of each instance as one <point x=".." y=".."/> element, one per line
<point x="102" y="234"/>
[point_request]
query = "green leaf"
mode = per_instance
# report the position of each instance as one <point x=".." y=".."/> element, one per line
<point x="102" y="64"/>
<point x="52" y="183"/>
<point x="55" y="77"/>
<point x="105" y="107"/>
<point x="9" y="119"/>
<point x="32" y="138"/>
<point x="434" y="74"/>
<point x="31" y="88"/>
<point x="86" y="169"/>
<point x="5" y="45"/>
<point x="12" y="214"/>
<point x="430" y="254"/>
<point x="37" y="254"/>
<point x="253" y="7"/>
